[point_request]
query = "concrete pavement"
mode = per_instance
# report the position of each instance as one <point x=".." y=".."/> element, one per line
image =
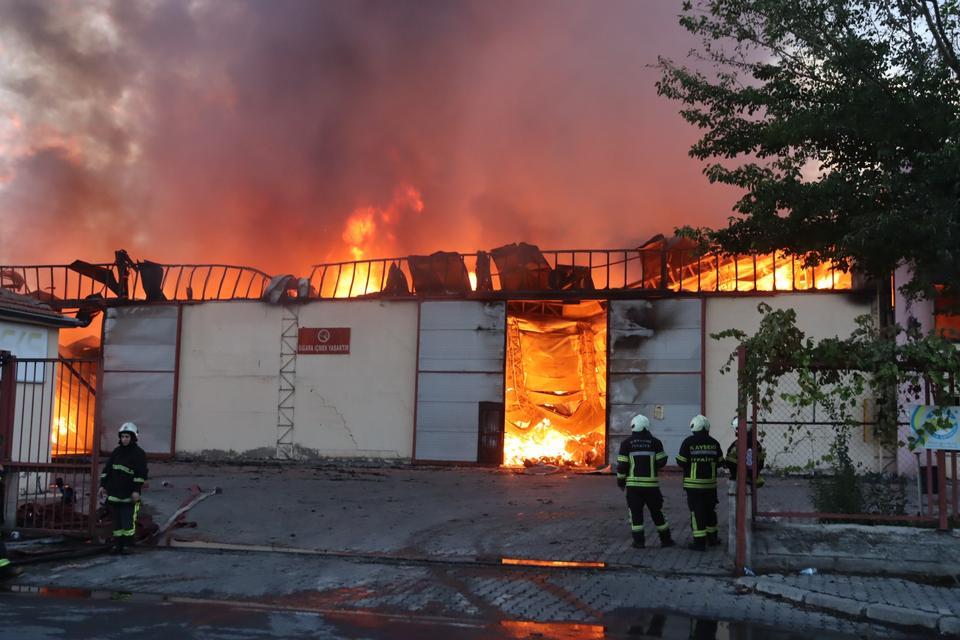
<point x="457" y="543"/>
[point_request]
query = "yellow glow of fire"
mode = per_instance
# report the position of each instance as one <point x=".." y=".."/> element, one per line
<point x="541" y="441"/>
<point x="770" y="272"/>
<point x="358" y="279"/>
<point x="63" y="427"/>
<point x="473" y="280"/>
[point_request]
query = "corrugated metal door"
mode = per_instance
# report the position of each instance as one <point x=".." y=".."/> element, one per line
<point x="139" y="364"/>
<point x="656" y="361"/>
<point x="460" y="365"/>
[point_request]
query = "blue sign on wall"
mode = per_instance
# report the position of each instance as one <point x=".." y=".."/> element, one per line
<point x="947" y="438"/>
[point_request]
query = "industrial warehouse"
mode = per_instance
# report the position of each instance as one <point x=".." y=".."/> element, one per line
<point x="509" y="357"/>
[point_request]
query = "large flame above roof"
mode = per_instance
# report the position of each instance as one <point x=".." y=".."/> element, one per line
<point x="282" y="135"/>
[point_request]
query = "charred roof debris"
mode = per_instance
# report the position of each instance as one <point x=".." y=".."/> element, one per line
<point x="660" y="266"/>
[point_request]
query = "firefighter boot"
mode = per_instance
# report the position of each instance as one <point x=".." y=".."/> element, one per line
<point x="8" y="571"/>
<point x="698" y="544"/>
<point x="665" y="539"/>
<point x="638" y="541"/>
<point x="713" y="539"/>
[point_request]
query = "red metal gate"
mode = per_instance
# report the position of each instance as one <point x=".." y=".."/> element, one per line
<point x="49" y="444"/>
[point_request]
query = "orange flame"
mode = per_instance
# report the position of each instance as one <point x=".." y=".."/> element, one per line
<point x="359" y="231"/>
<point x="369" y="231"/>
<point x="66" y="436"/>
<point x="767" y="272"/>
<point x="359" y="279"/>
<point x="540" y="442"/>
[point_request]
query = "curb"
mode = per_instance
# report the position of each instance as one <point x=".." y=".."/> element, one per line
<point x="889" y="615"/>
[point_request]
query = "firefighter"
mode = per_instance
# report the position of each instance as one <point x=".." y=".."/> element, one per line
<point x="731" y="459"/>
<point x="121" y="484"/>
<point x="7" y="570"/>
<point x="698" y="457"/>
<point x="639" y="460"/>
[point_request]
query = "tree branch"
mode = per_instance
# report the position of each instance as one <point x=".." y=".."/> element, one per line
<point x="935" y="23"/>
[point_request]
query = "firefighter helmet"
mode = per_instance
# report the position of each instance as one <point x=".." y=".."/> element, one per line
<point x="129" y="427"/>
<point x="639" y="423"/>
<point x="699" y="423"/>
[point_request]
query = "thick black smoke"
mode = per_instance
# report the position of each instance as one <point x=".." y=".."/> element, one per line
<point x="250" y="132"/>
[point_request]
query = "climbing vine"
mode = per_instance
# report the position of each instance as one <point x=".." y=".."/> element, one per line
<point x="834" y="374"/>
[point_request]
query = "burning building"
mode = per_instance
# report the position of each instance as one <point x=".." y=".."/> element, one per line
<point x="513" y="356"/>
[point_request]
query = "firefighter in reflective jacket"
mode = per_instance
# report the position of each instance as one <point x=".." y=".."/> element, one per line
<point x="731" y="458"/>
<point x="699" y="457"/>
<point x="640" y="457"/>
<point x="6" y="569"/>
<point x="121" y="483"/>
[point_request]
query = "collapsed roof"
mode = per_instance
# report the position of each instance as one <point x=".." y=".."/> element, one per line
<point x="515" y="270"/>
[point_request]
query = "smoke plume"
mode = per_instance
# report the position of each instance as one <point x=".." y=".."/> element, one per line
<point x="283" y="134"/>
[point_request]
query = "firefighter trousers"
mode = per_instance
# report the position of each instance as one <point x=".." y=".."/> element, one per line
<point x="124" y="521"/>
<point x="703" y="511"/>
<point x="652" y="499"/>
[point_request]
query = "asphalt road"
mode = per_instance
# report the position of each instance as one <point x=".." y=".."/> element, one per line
<point x="54" y="614"/>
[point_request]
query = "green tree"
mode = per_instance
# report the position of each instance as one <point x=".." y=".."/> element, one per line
<point x="839" y="120"/>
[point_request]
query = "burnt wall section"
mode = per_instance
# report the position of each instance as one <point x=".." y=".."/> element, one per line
<point x="460" y="365"/>
<point x="139" y="361"/>
<point x="656" y="369"/>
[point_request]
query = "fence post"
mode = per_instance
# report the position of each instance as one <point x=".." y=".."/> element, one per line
<point x="8" y="398"/>
<point x="741" y="551"/>
<point x="953" y="481"/>
<point x="942" y="493"/>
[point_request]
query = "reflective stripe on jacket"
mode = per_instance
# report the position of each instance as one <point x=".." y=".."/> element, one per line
<point x="124" y="472"/>
<point x="698" y="457"/>
<point x="640" y="458"/>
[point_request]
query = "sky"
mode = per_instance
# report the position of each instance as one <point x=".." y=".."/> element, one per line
<point x="284" y="133"/>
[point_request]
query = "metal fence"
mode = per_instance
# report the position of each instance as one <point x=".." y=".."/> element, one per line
<point x="50" y="445"/>
<point x="513" y="269"/>
<point x="679" y="271"/>
<point x="70" y="286"/>
<point x="827" y="468"/>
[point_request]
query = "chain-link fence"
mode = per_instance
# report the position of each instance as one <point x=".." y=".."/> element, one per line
<point x="823" y="463"/>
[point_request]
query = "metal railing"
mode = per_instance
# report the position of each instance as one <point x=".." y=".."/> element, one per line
<point x="62" y="286"/>
<point x="575" y="271"/>
<point x="499" y="272"/>
<point x="50" y="444"/>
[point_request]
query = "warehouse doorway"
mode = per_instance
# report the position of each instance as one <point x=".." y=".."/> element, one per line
<point x="555" y="384"/>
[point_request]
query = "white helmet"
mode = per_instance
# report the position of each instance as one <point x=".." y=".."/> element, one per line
<point x="735" y="422"/>
<point x="699" y="423"/>
<point x="639" y="423"/>
<point x="129" y="427"/>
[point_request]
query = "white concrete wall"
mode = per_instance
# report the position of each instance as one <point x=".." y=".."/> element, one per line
<point x="229" y="376"/>
<point x="818" y="316"/>
<point x="354" y="405"/>
<point x="907" y="310"/>
<point x="360" y="404"/>
<point x="28" y="340"/>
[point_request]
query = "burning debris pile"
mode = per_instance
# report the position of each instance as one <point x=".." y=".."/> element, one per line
<point x="556" y="386"/>
<point x="661" y="264"/>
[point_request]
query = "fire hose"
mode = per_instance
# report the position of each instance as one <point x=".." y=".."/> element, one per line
<point x="177" y="516"/>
